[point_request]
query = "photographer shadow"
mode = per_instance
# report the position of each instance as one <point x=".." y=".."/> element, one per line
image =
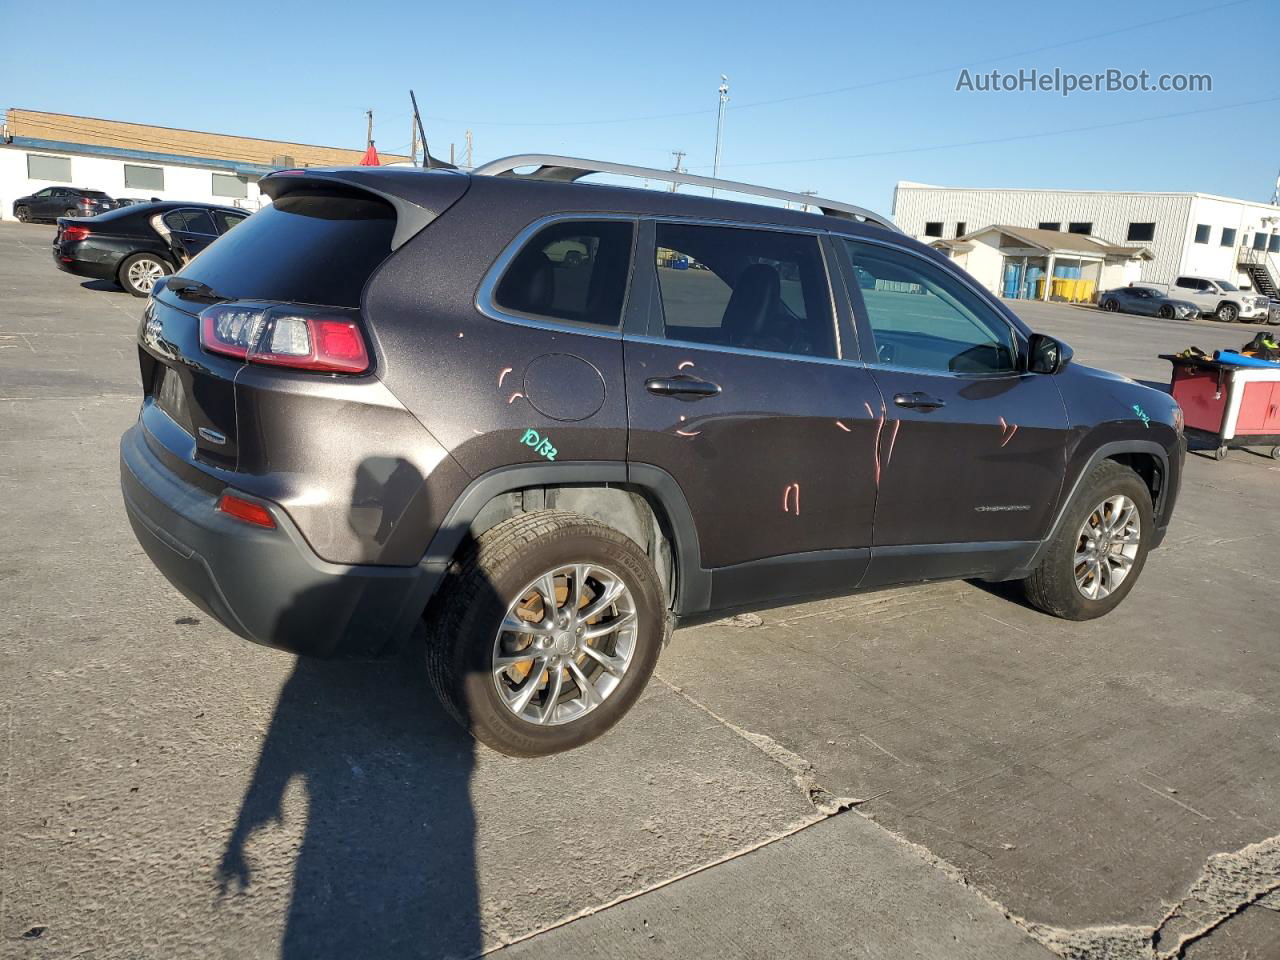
<point x="386" y="862"/>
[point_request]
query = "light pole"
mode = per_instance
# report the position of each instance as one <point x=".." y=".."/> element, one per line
<point x="724" y="98"/>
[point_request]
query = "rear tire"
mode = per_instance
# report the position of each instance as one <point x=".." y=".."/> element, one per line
<point x="498" y="580"/>
<point x="139" y="272"/>
<point x="1055" y="585"/>
<point x="71" y="212"/>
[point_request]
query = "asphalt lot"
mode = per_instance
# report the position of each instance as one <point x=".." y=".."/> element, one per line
<point x="1029" y="787"/>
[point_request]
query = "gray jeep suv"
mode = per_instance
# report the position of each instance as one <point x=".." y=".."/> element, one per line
<point x="549" y="419"/>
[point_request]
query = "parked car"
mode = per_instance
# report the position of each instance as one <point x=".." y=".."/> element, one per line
<point x="1147" y="301"/>
<point x="134" y="201"/>
<point x="137" y="245"/>
<point x="380" y="403"/>
<point x="53" y="202"/>
<point x="1221" y="299"/>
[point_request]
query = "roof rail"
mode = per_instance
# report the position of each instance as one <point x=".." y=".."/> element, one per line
<point x="569" y="169"/>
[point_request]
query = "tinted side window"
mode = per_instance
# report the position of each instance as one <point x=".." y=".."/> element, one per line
<point x="189" y="221"/>
<point x="226" y="221"/>
<point x="575" y="270"/>
<point x="743" y="288"/>
<point x="923" y="317"/>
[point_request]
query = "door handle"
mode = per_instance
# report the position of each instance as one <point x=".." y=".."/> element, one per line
<point x="683" y="387"/>
<point x="918" y="401"/>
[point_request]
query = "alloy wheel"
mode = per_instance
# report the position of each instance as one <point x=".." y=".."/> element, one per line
<point x="143" y="274"/>
<point x="566" y="642"/>
<point x="1107" y="547"/>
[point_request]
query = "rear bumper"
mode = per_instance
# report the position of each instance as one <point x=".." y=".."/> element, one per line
<point x="98" y="270"/>
<point x="268" y="586"/>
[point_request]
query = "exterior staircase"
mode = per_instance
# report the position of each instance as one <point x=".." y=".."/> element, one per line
<point x="1254" y="263"/>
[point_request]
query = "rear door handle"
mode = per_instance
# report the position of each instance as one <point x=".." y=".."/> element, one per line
<point x="918" y="401"/>
<point x="683" y="387"/>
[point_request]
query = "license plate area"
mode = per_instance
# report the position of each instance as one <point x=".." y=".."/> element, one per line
<point x="171" y="397"/>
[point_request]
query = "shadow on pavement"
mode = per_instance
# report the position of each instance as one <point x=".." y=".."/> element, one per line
<point x="386" y="863"/>
<point x="104" y="285"/>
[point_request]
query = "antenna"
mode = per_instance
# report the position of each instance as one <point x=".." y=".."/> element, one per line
<point x="427" y="160"/>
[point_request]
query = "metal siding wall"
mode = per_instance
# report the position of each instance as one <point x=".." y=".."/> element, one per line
<point x="1110" y="213"/>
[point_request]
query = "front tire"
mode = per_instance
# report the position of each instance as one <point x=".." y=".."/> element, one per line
<point x="1166" y="312"/>
<point x="138" y="273"/>
<point x="1227" y="313"/>
<point x="545" y="632"/>
<point x="1099" y="549"/>
<point x="1111" y="306"/>
<point x="23" y="214"/>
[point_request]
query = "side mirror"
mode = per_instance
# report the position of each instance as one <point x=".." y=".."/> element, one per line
<point x="1047" y="355"/>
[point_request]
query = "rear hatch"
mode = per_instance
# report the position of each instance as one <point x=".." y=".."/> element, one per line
<point x="282" y="290"/>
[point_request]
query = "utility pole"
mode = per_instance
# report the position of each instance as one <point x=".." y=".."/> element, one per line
<point x="451" y="160"/>
<point x="807" y="193"/>
<point x="724" y="98"/>
<point x="1275" y="194"/>
<point x="369" y="130"/>
<point x="469" y="163"/>
<point x="678" y="168"/>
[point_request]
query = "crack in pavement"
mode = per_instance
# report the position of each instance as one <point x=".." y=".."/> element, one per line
<point x="1228" y="884"/>
<point x="801" y="770"/>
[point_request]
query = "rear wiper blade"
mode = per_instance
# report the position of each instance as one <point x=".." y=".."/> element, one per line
<point x="189" y="289"/>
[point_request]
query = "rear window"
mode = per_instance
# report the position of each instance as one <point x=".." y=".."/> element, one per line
<point x="97" y="194"/>
<point x="307" y="247"/>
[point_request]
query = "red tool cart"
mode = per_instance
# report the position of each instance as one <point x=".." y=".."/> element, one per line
<point x="1228" y="405"/>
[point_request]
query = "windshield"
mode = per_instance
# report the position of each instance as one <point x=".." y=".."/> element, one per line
<point x="1226" y="286"/>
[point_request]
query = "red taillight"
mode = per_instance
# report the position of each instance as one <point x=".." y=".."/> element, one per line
<point x="246" y="510"/>
<point x="283" y="336"/>
<point x="72" y="233"/>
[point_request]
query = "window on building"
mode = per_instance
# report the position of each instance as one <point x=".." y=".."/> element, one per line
<point x="933" y="228"/>
<point x="1141" y="232"/>
<point x="1081" y="226"/>
<point x="575" y="270"/>
<point x="1228" y="237"/>
<point x="1049" y="225"/>
<point x="230" y="185"/>
<point x="961" y="228"/>
<point x="746" y="289"/>
<point x="41" y="167"/>
<point x="923" y="317"/>
<point x="143" y="178"/>
<point x="1274" y="245"/>
<point x="1202" y="233"/>
<point x="1259" y="241"/>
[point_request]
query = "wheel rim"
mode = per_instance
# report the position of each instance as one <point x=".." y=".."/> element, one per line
<point x="1107" y="547"/>
<point x="1110" y="306"/>
<point x="1228" y="314"/>
<point x="565" y="644"/>
<point x="143" y="274"/>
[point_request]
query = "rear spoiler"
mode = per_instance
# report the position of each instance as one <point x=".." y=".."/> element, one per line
<point x="418" y="196"/>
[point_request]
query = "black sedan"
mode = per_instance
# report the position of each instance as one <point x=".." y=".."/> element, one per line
<point x="1147" y="301"/>
<point x="137" y="245"/>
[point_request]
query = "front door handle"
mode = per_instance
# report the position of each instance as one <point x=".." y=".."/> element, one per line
<point x="683" y="387"/>
<point x="918" y="401"/>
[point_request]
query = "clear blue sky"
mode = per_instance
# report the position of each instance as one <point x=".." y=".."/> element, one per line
<point x="529" y="77"/>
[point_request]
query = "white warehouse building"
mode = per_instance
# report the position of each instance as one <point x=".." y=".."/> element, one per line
<point x="1012" y="240"/>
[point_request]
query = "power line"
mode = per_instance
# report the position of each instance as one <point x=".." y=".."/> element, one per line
<point x="994" y="140"/>
<point x="864" y="85"/>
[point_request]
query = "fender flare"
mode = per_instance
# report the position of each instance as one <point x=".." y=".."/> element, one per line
<point x="693" y="583"/>
<point x="1104" y="452"/>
